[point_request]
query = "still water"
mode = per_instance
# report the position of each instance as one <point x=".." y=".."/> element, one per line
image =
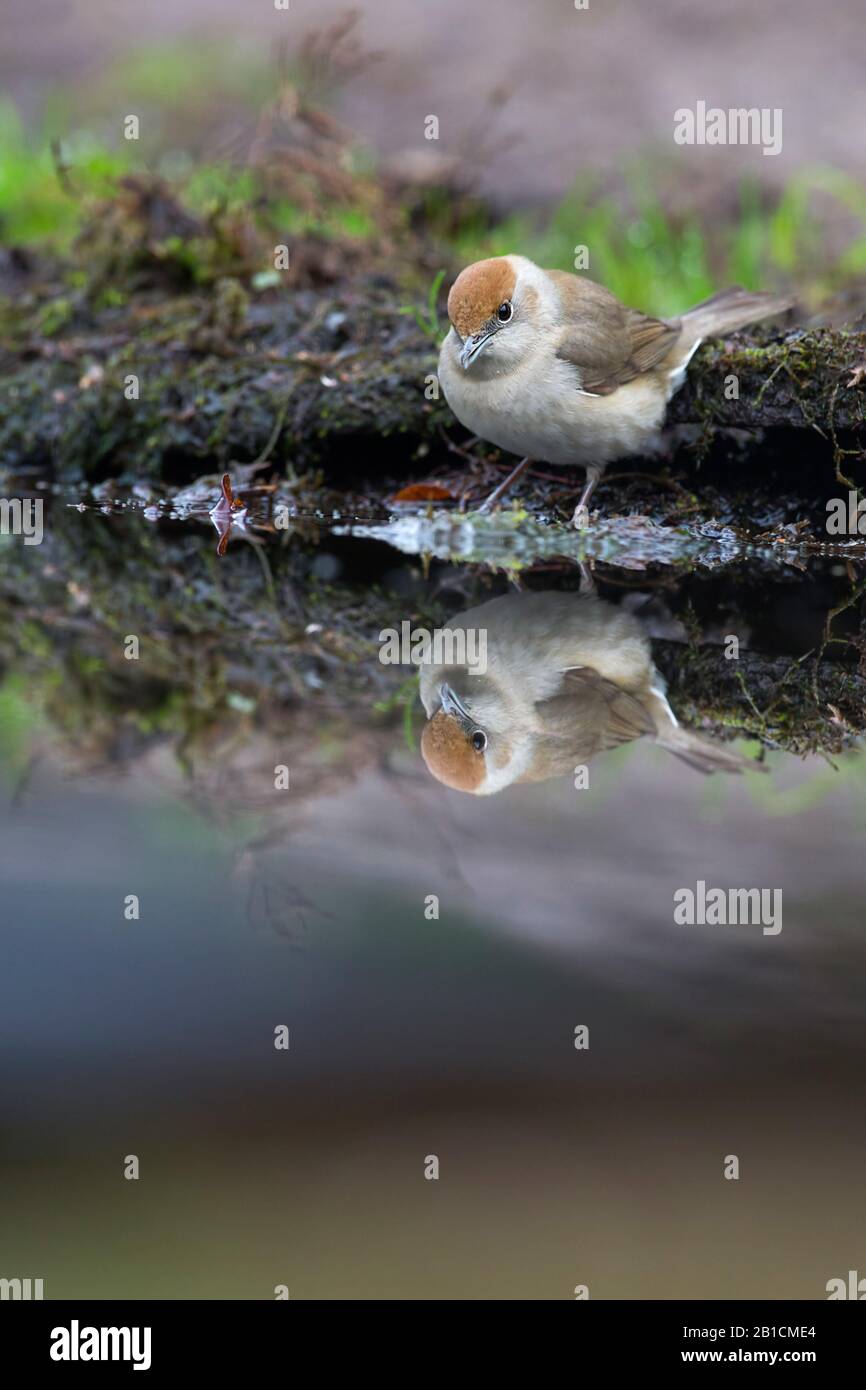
<point x="235" y="832"/>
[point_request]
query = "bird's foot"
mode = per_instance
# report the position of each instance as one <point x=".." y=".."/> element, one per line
<point x="580" y="520"/>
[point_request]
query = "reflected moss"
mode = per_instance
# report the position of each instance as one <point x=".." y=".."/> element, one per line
<point x="233" y="649"/>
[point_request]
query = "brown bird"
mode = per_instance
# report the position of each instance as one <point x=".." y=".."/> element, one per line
<point x="551" y="366"/>
<point x="565" y="676"/>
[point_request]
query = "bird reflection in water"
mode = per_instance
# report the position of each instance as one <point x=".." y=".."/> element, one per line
<point x="567" y="676"/>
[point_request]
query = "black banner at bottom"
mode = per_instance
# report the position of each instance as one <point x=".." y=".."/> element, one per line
<point x="153" y="1338"/>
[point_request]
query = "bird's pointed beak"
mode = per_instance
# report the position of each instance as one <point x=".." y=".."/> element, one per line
<point x="450" y="703"/>
<point x="473" y="347"/>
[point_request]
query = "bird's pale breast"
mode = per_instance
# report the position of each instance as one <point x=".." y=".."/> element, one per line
<point x="537" y="410"/>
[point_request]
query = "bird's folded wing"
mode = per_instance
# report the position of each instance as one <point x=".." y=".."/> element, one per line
<point x="588" y="715"/>
<point x="607" y="343"/>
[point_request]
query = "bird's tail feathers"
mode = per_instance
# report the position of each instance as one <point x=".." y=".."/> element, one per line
<point x="731" y="309"/>
<point x="703" y="754"/>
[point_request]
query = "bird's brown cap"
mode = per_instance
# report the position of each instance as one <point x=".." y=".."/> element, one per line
<point x="449" y="755"/>
<point x="478" y="292"/>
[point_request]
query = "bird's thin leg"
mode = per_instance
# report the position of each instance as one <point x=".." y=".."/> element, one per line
<point x="504" y="486"/>
<point x="581" y="511"/>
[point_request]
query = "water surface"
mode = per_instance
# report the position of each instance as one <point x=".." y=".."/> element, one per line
<point x="413" y="1036"/>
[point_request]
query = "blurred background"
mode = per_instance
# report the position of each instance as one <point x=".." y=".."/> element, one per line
<point x="555" y="126"/>
<point x="583" y="88"/>
<point x="451" y="1037"/>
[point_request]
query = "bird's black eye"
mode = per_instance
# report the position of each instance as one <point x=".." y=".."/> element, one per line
<point x="479" y="740"/>
<point x="505" y="310"/>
